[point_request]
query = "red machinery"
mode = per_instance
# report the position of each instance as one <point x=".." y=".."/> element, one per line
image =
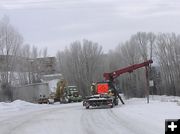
<point x="130" y="69"/>
<point x="103" y="89"/>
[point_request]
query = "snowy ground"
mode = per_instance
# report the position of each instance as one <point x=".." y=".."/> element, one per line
<point x="136" y="117"/>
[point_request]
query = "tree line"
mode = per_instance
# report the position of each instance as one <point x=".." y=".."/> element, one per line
<point x="84" y="62"/>
<point x="15" y="53"/>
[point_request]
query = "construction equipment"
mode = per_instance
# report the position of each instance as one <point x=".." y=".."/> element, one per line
<point x="72" y="94"/>
<point x="67" y="94"/>
<point x="42" y="99"/>
<point x="49" y="96"/>
<point x="60" y="91"/>
<point x="105" y="93"/>
<point x="46" y="99"/>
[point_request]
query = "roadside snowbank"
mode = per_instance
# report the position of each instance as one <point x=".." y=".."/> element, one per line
<point x="149" y="117"/>
<point x="165" y="98"/>
<point x="17" y="105"/>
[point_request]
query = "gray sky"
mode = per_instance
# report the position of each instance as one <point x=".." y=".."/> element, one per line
<point x="57" y="23"/>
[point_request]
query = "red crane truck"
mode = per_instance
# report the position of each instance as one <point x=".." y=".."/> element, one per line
<point x="105" y="93"/>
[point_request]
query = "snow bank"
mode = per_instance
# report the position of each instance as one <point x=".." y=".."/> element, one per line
<point x="165" y="98"/>
<point x="21" y="104"/>
<point x="16" y="105"/>
<point x="152" y="115"/>
<point x="159" y="98"/>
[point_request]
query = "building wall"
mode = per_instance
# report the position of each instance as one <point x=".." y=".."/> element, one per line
<point x="1" y="94"/>
<point x="32" y="92"/>
<point x="46" y="65"/>
<point x="3" y="97"/>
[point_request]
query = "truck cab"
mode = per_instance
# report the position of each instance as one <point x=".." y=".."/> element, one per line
<point x="102" y="95"/>
<point x="71" y="94"/>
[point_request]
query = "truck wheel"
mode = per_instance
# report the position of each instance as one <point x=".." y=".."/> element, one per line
<point x="112" y="105"/>
<point x="115" y="102"/>
<point x="79" y="100"/>
<point x="87" y="107"/>
<point x="61" y="101"/>
<point x="69" y="101"/>
<point x="66" y="100"/>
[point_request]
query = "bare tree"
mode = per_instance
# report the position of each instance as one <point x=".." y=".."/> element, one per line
<point x="44" y="53"/>
<point x="79" y="64"/>
<point x="133" y="51"/>
<point x="10" y="43"/>
<point x="34" y="53"/>
<point x="168" y="50"/>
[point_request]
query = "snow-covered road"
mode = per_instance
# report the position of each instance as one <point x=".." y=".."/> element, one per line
<point x="136" y="117"/>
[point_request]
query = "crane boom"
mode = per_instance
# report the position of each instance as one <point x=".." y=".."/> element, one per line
<point x="111" y="76"/>
<point x="102" y="88"/>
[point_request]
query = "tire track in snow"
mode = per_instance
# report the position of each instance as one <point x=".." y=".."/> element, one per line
<point x="15" y="123"/>
<point x="86" y="121"/>
<point x="95" y="121"/>
<point x="135" y="126"/>
<point x="106" y="121"/>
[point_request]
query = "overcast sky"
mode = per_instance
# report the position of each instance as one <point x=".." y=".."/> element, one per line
<point x="57" y="23"/>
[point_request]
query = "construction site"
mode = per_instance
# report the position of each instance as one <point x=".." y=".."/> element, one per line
<point x="89" y="67"/>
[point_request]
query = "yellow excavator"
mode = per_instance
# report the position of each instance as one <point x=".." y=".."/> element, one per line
<point x="67" y="94"/>
<point x="59" y="96"/>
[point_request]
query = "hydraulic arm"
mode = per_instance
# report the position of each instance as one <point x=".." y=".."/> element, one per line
<point x="111" y="76"/>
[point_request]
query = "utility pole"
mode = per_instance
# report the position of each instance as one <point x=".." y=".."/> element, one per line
<point x="148" y="72"/>
<point x="147" y="82"/>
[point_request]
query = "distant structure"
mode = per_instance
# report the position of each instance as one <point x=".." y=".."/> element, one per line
<point x="45" y="65"/>
<point x="13" y="63"/>
<point x="52" y="80"/>
<point x="31" y="92"/>
<point x="32" y="78"/>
